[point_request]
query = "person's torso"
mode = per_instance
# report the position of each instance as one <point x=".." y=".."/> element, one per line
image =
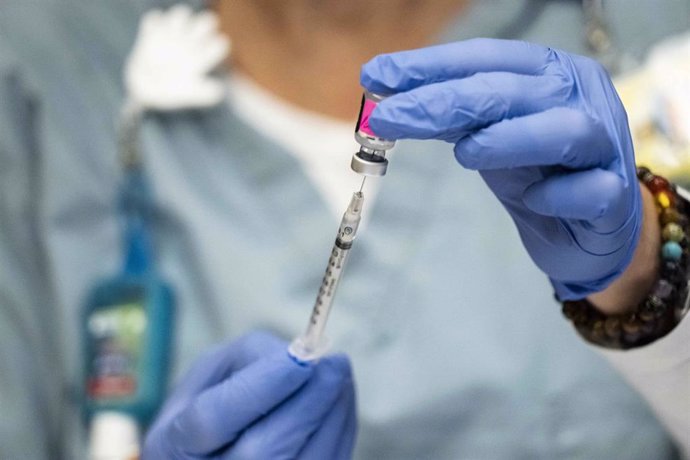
<point x="458" y="349"/>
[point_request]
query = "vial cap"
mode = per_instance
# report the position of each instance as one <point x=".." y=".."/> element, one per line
<point x="369" y="165"/>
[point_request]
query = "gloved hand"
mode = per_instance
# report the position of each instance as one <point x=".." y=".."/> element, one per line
<point x="250" y="400"/>
<point x="548" y="134"/>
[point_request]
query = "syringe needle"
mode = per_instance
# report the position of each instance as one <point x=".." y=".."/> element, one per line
<point x="362" y="186"/>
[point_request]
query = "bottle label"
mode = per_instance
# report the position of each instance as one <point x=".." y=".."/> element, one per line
<point x="368" y="106"/>
<point x="115" y="341"/>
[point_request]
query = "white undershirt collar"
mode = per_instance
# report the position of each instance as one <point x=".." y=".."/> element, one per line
<point x="322" y="145"/>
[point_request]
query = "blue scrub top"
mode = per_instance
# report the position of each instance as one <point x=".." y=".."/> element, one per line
<point x="458" y="348"/>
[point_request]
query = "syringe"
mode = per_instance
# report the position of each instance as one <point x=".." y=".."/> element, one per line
<point x="370" y="160"/>
<point x="313" y="344"/>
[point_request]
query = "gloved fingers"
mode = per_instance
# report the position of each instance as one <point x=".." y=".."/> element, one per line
<point x="217" y="364"/>
<point x="402" y="71"/>
<point x="204" y="25"/>
<point x="349" y="437"/>
<point x="221" y="361"/>
<point x="207" y="92"/>
<point x="178" y="17"/>
<point x="150" y="21"/>
<point x="558" y="136"/>
<point x="451" y="109"/>
<point x="219" y="414"/>
<point x="211" y="54"/>
<point x="335" y="439"/>
<point x="284" y="432"/>
<point x="215" y="51"/>
<point x="596" y="196"/>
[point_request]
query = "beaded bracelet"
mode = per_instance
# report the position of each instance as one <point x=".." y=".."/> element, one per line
<point x="668" y="300"/>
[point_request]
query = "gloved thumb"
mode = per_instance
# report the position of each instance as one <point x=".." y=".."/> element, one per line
<point x="596" y="196"/>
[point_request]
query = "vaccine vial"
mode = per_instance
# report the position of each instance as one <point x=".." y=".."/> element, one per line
<point x="370" y="160"/>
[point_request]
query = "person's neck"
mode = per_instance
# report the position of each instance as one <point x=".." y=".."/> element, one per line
<point x="317" y="68"/>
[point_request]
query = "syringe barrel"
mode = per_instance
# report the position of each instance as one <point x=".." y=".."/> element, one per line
<point x="326" y="295"/>
<point x="313" y="337"/>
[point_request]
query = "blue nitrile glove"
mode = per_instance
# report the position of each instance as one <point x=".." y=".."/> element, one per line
<point x="250" y="400"/>
<point x="548" y="134"/>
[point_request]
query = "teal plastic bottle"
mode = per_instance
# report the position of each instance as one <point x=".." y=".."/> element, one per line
<point x="127" y="329"/>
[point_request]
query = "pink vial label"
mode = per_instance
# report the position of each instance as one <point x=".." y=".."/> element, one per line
<point x="367" y="108"/>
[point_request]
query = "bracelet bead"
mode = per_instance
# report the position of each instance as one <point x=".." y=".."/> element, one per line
<point x="671" y="251"/>
<point x="672" y="272"/>
<point x="664" y="199"/>
<point x="612" y="325"/>
<point x="673" y="232"/>
<point x="663" y="290"/>
<point x="670" y="215"/>
<point x="668" y="299"/>
<point x="657" y="184"/>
